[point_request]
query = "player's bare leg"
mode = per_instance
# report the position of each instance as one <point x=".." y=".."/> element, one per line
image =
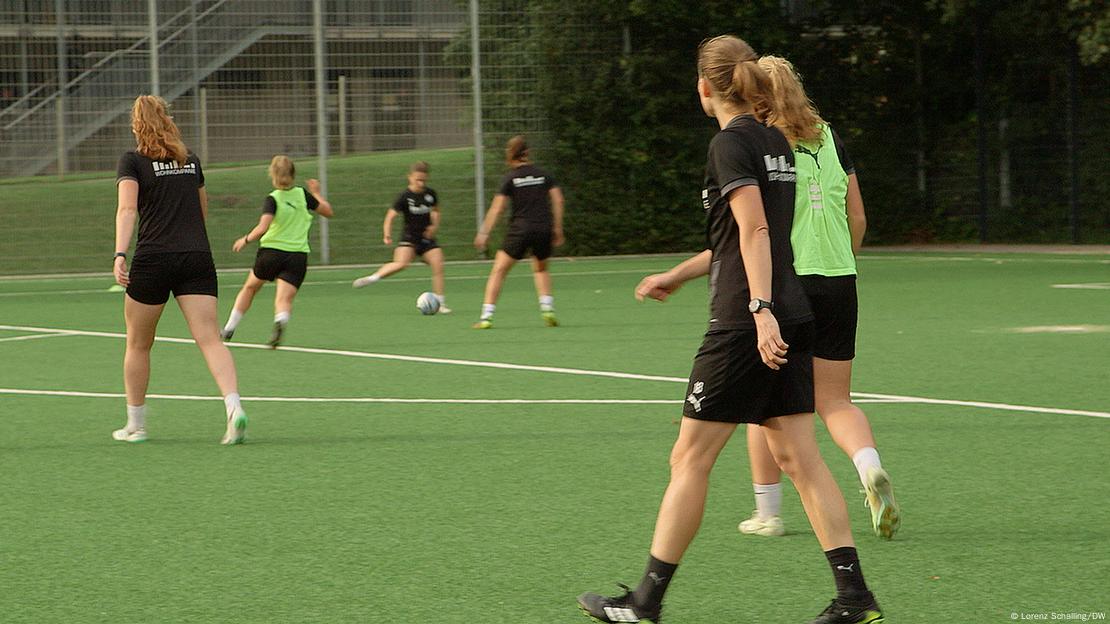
<point x="542" y="278"/>
<point x="502" y="264"/>
<point x="243" y="303"/>
<point x="142" y="322"/>
<point x="434" y="259"/>
<point x="200" y="314"/>
<point x="403" y="256"/>
<point x="767" y="483"/>
<point x="283" y="310"/>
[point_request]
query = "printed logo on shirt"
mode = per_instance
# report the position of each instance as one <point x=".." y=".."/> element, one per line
<point x="705" y="199"/>
<point x="778" y="169"/>
<point x="529" y="181"/>
<point x="172" y="168"/>
<point x="419" y="209"/>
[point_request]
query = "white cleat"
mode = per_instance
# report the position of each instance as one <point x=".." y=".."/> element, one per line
<point x="361" y="282"/>
<point x="767" y="527"/>
<point x="128" y="435"/>
<point x="886" y="516"/>
<point x="236" y="429"/>
<point x="444" y="310"/>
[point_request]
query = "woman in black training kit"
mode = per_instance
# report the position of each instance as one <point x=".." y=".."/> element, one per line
<point x="756" y="362"/>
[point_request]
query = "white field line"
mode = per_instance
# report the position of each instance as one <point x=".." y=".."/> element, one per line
<point x="35" y="337"/>
<point x="1089" y="286"/>
<point x="237" y="286"/>
<point x="569" y="371"/>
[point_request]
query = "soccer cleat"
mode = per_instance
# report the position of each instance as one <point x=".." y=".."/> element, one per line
<point x="362" y="281"/>
<point x="126" y="435"/>
<point x="549" y="319"/>
<point x="885" y="514"/>
<point x="236" y="429"/>
<point x="226" y="334"/>
<point x="444" y="309"/>
<point x="767" y="527"/>
<point x="843" y="612"/>
<point x="618" y="609"/>
<point x="483" y="324"/>
<point x="275" y="336"/>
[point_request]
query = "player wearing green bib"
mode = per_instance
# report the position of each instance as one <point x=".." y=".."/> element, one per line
<point x="282" y="233"/>
<point x="828" y="229"/>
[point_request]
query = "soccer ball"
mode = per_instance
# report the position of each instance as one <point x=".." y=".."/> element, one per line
<point x="427" y="303"/>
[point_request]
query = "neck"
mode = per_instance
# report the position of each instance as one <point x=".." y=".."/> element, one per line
<point x="725" y="114"/>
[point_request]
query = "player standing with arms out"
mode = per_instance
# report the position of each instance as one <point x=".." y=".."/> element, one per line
<point x="829" y="224"/>
<point x="282" y="232"/>
<point x="743" y="372"/>
<point x="161" y="185"/>
<point x="420" y="206"/>
<point x="536" y="226"/>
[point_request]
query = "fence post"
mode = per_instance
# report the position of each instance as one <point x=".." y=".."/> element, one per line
<point x="202" y="95"/>
<point x="321" y="121"/>
<point x="152" y="27"/>
<point x="60" y="102"/>
<point x="1073" y="161"/>
<point x="981" y="118"/>
<point x="342" y="93"/>
<point x="476" y="87"/>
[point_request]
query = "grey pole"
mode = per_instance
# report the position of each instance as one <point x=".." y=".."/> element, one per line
<point x="321" y="121"/>
<point x="24" y="35"/>
<point x="152" y="27"/>
<point x="203" y="117"/>
<point x="343" y="115"/>
<point x="60" y="102"/>
<point x="476" y="87"/>
<point x="195" y="62"/>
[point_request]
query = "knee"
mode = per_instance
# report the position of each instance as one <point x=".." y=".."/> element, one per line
<point x="687" y="461"/>
<point x="798" y="466"/>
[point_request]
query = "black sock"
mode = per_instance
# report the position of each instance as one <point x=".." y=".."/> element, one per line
<point x="846" y="571"/>
<point x="654" y="584"/>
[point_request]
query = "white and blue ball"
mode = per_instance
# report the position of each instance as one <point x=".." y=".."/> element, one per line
<point x="427" y="303"/>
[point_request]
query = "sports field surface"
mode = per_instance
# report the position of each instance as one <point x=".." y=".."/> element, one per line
<point x="404" y="469"/>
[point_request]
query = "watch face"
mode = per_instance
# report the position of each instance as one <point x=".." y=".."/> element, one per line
<point x="753" y="306"/>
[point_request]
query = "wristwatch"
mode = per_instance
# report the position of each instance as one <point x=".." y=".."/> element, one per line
<point x="120" y="254"/>
<point x="755" y="305"/>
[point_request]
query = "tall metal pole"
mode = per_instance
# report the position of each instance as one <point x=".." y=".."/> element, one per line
<point x="321" y="120"/>
<point x="24" y="35"/>
<point x="152" y="27"/>
<point x="981" y="115"/>
<point x="1072" y="148"/>
<point x="202" y="113"/>
<point x="60" y="101"/>
<point x="342" y="93"/>
<point x="479" y="140"/>
<point x="195" y="63"/>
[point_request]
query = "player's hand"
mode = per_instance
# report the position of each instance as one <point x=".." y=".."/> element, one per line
<point x="120" y="272"/>
<point x="387" y="239"/>
<point x="480" y="241"/>
<point x="772" y="348"/>
<point x="658" y="287"/>
<point x="240" y="243"/>
<point x="430" y="232"/>
<point x="557" y="238"/>
<point x="313" y="186"/>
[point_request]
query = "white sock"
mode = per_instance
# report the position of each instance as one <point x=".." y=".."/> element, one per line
<point x="232" y="404"/>
<point x="370" y="279"/>
<point x="442" y="300"/>
<point x="233" y="320"/>
<point x="282" y="317"/>
<point x="547" y="303"/>
<point x="487" y="311"/>
<point x="136" y="417"/>
<point x="864" y="459"/>
<point x="768" y="499"/>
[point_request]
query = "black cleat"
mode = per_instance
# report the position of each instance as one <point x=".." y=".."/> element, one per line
<point x="618" y="609"/>
<point x="843" y="612"/>
<point x="226" y="335"/>
<point x="275" y="337"/>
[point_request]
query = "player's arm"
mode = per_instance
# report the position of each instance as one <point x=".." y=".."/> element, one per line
<point x="857" y="218"/>
<point x="387" y="226"/>
<point x="755" y="248"/>
<point x="555" y="194"/>
<point x="323" y="207"/>
<point x="662" y="285"/>
<point x="263" y="226"/>
<point x="496" y="207"/>
<point x="203" y="194"/>
<point x="127" y="213"/>
<point x="430" y="231"/>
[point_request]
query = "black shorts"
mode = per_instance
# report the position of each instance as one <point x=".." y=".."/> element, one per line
<point x="518" y="243"/>
<point x="835" y="312"/>
<point x="730" y="383"/>
<point x="288" y="266"/>
<point x="154" y="276"/>
<point x="419" y="244"/>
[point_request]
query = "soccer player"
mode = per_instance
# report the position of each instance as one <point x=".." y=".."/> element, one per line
<point x="420" y="206"/>
<point x="536" y="226"/>
<point x="161" y="185"/>
<point x="282" y="235"/>
<point x="755" y="364"/>
<point x="829" y="224"/>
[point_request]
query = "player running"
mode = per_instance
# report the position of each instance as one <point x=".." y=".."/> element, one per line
<point x="536" y="226"/>
<point x="755" y="364"/>
<point x="161" y="185"/>
<point x="829" y="224"/>
<point x="420" y="206"/>
<point x="282" y="232"/>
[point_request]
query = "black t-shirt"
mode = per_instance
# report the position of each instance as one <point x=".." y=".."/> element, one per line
<point x="417" y="209"/>
<point x="269" y="205"/>
<point x="748" y="153"/>
<point x="170" y="218"/>
<point x="527" y="187"/>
